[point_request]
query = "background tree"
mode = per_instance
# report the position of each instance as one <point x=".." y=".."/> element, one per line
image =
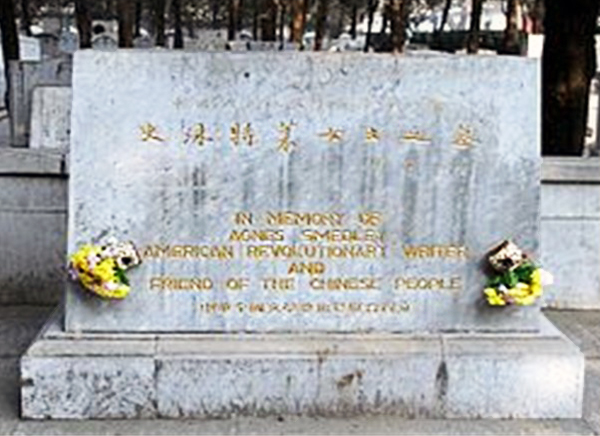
<point x="445" y="12"/>
<point x="296" y="26"/>
<point x="371" y="8"/>
<point x="84" y="23"/>
<point x="232" y="18"/>
<point x="353" y="18"/>
<point x="25" y="18"/>
<point x="10" y="40"/>
<point x="398" y="17"/>
<point x="159" y="7"/>
<point x="568" y="65"/>
<point x="282" y="14"/>
<point x="268" y="20"/>
<point x="473" y="38"/>
<point x="510" y="41"/>
<point x="537" y="15"/>
<point x="125" y="19"/>
<point x="177" y="23"/>
<point x="320" y="23"/>
<point x="137" y="19"/>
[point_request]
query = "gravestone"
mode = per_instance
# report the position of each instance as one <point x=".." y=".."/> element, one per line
<point x="316" y="226"/>
<point x="29" y="50"/>
<point x="69" y="41"/>
<point x="104" y="42"/>
<point x="25" y="77"/>
<point x="50" y="117"/>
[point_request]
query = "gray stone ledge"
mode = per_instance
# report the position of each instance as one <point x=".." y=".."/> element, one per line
<point x="570" y="170"/>
<point x="55" y="162"/>
<point x="84" y="376"/>
<point x="20" y="161"/>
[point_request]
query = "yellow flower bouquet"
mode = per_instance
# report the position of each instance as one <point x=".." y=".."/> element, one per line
<point x="101" y="268"/>
<point x="516" y="279"/>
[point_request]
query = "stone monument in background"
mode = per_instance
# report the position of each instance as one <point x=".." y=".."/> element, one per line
<point x="313" y="230"/>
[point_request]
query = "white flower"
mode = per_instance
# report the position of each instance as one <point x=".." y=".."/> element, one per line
<point x="546" y="278"/>
<point x="111" y="286"/>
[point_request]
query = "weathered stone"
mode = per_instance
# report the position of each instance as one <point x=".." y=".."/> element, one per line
<point x="87" y="387"/>
<point x="51" y="117"/>
<point x="203" y="375"/>
<point x="25" y="76"/>
<point x="29" y="50"/>
<point x="454" y="166"/>
<point x="570" y="229"/>
<point x="33" y="215"/>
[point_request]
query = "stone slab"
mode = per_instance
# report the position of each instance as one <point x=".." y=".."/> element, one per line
<point x="292" y="425"/>
<point x="89" y="387"/>
<point x="570" y="201"/>
<point x="571" y="169"/>
<point x="51" y="117"/>
<point x="20" y="162"/>
<point x="572" y="253"/>
<point x="29" y="50"/>
<point x="25" y="76"/>
<point x="32" y="239"/>
<point x="428" y="376"/>
<point x="581" y="327"/>
<point x="455" y="166"/>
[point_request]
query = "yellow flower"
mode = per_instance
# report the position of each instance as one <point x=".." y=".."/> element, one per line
<point x="536" y="277"/>
<point x="520" y="290"/>
<point x="536" y="289"/>
<point x="493" y="298"/>
<point x="525" y="301"/>
<point x="105" y="270"/>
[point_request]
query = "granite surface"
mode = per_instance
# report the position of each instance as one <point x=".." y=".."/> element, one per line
<point x="287" y="191"/>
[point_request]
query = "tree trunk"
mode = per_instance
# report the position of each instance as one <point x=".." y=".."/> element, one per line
<point x="255" y="13"/>
<point x="269" y="21"/>
<point x="371" y="8"/>
<point x="445" y="13"/>
<point x="109" y="9"/>
<point x="10" y="40"/>
<point x="25" y="18"/>
<point x="159" y="22"/>
<point x="320" y="22"/>
<point x="125" y="18"/>
<point x="305" y="7"/>
<point x="239" y="25"/>
<point x="191" y="19"/>
<point x="232" y="12"/>
<point x="176" y="10"/>
<point x="568" y="65"/>
<point x="84" y="23"/>
<point x="138" y="18"/>
<point x="215" y="7"/>
<point x="385" y="19"/>
<point x="537" y="16"/>
<point x="510" y="42"/>
<point x="473" y="38"/>
<point x="353" y="19"/>
<point x="398" y="22"/>
<point x="282" y="12"/>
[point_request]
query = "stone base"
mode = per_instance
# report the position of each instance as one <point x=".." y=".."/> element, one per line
<point x="81" y="376"/>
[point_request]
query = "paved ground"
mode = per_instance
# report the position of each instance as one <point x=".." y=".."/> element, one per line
<point x="19" y="325"/>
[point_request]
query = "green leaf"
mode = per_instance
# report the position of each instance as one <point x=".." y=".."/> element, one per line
<point x="121" y="276"/>
<point x="524" y="272"/>
<point x="511" y="279"/>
